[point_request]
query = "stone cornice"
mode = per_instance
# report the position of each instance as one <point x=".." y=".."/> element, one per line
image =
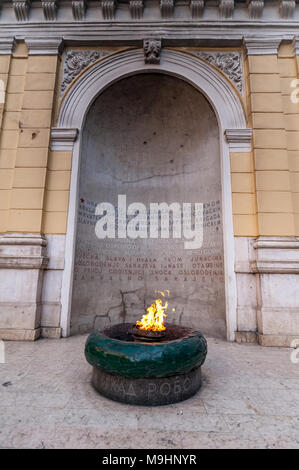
<point x="262" y="46"/>
<point x="276" y="255"/>
<point x="63" y="139"/>
<point x="296" y="45"/>
<point x="7" y="45"/>
<point x="221" y="11"/>
<point x="23" y="239"/>
<point x="42" y="46"/>
<point x="239" y="140"/>
<point x="174" y="33"/>
<point x="23" y="251"/>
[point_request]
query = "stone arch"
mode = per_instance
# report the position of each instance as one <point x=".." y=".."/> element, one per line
<point x="231" y="120"/>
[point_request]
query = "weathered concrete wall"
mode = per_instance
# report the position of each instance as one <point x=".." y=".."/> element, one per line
<point x="152" y="138"/>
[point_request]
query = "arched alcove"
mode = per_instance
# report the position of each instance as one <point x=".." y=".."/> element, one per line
<point x="230" y="115"/>
<point x="153" y="139"/>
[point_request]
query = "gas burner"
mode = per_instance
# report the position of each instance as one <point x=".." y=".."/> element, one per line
<point x="147" y="335"/>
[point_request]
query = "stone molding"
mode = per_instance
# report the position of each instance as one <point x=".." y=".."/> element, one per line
<point x="296" y="45"/>
<point x="23" y="251"/>
<point x="15" y="334"/>
<point x="23" y="261"/>
<point x="267" y="278"/>
<point x="7" y="45"/>
<point x="269" y="255"/>
<point x="215" y="86"/>
<point x="239" y="140"/>
<point x="276" y="255"/>
<point x="229" y="63"/>
<point x="63" y="139"/>
<point x="41" y="46"/>
<point x="258" y="46"/>
<point x="228" y="10"/>
<point x="175" y="33"/>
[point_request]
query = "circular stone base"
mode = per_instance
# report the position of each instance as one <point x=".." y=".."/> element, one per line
<point x="147" y="391"/>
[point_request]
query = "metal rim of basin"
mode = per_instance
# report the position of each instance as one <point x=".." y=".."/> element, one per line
<point x="137" y="360"/>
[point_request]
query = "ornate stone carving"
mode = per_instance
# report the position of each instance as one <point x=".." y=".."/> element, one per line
<point x="226" y="8"/>
<point x="77" y="60"/>
<point x="21" y="9"/>
<point x="197" y="8"/>
<point x="229" y="63"/>
<point x="152" y="51"/>
<point x="287" y="8"/>
<point x="108" y="9"/>
<point x="167" y="7"/>
<point x="78" y="9"/>
<point x="50" y="10"/>
<point x="255" y="8"/>
<point x="136" y="9"/>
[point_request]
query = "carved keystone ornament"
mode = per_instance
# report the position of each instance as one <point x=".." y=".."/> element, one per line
<point x="152" y="51"/>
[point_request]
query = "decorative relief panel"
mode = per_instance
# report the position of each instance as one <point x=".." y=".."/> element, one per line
<point x="230" y="63"/>
<point x="77" y="60"/>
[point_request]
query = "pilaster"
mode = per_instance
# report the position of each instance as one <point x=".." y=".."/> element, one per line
<point x="22" y="262"/>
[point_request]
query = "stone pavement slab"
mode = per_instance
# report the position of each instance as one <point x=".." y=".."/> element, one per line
<point x="249" y="399"/>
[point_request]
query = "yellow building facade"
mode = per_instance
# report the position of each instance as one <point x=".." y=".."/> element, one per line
<point x="37" y="148"/>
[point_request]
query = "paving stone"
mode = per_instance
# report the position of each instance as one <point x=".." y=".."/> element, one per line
<point x="249" y="399"/>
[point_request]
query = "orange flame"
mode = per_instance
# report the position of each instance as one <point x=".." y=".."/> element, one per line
<point x="154" y="319"/>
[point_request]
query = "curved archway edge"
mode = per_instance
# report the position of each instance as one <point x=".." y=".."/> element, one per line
<point x="230" y="114"/>
<point x="201" y="75"/>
